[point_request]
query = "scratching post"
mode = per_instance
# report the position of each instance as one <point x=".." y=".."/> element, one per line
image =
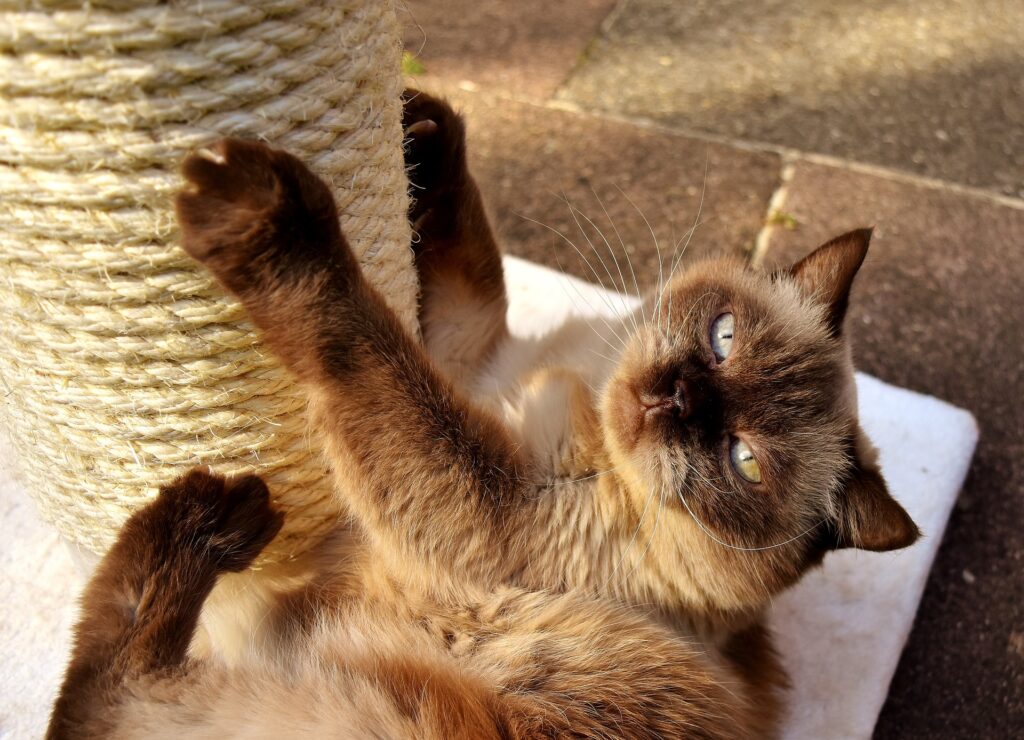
<point x="122" y="363"/>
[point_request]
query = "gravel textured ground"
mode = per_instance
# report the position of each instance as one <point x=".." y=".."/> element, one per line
<point x="931" y="87"/>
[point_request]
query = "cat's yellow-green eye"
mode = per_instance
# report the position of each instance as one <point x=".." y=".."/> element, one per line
<point x="721" y="336"/>
<point x="743" y="461"/>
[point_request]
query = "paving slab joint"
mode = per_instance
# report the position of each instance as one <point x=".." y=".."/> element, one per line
<point x="775" y="207"/>
<point x="796" y="155"/>
<point x="603" y="31"/>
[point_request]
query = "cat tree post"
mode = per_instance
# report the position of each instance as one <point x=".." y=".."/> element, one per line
<point x="122" y="363"/>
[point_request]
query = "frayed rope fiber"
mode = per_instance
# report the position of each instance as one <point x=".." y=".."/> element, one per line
<point x="122" y="363"/>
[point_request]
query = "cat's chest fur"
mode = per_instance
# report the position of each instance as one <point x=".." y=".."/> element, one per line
<point x="546" y="391"/>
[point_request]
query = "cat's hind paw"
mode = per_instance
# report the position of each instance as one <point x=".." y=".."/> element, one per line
<point x="226" y="522"/>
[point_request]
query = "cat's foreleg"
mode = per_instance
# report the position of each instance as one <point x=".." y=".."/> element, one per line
<point x="434" y="476"/>
<point x="140" y="608"/>
<point x="463" y="305"/>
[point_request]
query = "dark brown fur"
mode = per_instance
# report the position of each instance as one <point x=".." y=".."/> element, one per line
<point x="141" y="607"/>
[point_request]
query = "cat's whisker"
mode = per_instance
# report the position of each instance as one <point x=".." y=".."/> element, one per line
<point x="625" y="253"/>
<point x="574" y="211"/>
<point x="657" y="246"/>
<point x="650" y="540"/>
<point x="592" y="476"/>
<point x="675" y="266"/>
<point x="561" y="196"/>
<point x="599" y="354"/>
<point x="615" y="348"/>
<point x="568" y="241"/>
<point x="629" y="545"/>
<point x="625" y="291"/>
<point x="705" y="480"/>
<point x="677" y="255"/>
<point x="694" y="307"/>
<point x="711" y="535"/>
<point x="590" y="312"/>
<point x="677" y="260"/>
<point x="604" y="295"/>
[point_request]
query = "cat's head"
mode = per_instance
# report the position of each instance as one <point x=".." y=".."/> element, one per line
<point x="732" y="412"/>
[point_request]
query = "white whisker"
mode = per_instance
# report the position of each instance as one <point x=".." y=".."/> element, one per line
<point x="677" y="257"/>
<point x="625" y="252"/>
<point x="654" y="531"/>
<point x="625" y="307"/>
<point x="657" y="246"/>
<point x="629" y="544"/>
<point x="593" y="270"/>
<point x="694" y="307"/>
<point x="715" y="539"/>
<point x="604" y="356"/>
<point x="592" y="308"/>
<point x="569" y="481"/>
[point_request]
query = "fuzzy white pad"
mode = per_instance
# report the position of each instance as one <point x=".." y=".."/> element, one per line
<point x="840" y="631"/>
<point x="842" y="628"/>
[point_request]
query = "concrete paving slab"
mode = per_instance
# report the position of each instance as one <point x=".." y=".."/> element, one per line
<point x="938" y="308"/>
<point x="935" y="87"/>
<point x="527" y="47"/>
<point x="527" y="158"/>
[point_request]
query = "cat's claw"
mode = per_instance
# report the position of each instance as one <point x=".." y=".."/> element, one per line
<point x="426" y="127"/>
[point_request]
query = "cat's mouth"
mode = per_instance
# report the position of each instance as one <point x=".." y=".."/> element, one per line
<point x="640" y="409"/>
<point x="651" y="405"/>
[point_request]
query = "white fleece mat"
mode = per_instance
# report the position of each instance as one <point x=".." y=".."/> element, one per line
<point x="840" y="631"/>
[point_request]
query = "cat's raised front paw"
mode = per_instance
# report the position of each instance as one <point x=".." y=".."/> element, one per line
<point x="251" y="212"/>
<point x="435" y="151"/>
<point x="225" y="522"/>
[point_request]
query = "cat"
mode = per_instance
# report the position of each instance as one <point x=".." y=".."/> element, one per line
<point x="648" y="484"/>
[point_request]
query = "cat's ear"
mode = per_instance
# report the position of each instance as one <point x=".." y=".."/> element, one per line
<point x="869" y="517"/>
<point x="827" y="273"/>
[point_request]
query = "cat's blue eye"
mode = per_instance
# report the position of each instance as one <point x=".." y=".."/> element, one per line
<point x="743" y="461"/>
<point x="721" y="336"/>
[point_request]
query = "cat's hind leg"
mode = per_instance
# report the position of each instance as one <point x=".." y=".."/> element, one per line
<point x="140" y="608"/>
<point x="463" y="302"/>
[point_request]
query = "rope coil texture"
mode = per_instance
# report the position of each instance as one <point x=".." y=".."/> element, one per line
<point x="122" y="363"/>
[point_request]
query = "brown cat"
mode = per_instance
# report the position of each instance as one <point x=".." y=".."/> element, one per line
<point x="574" y="535"/>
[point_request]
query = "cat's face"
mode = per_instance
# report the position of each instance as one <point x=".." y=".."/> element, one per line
<point x="733" y="411"/>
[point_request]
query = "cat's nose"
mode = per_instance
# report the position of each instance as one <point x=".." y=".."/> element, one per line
<point x="682" y="398"/>
<point x="676" y="399"/>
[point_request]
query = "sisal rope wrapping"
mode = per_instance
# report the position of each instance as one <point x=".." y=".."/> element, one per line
<point x="122" y="363"/>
